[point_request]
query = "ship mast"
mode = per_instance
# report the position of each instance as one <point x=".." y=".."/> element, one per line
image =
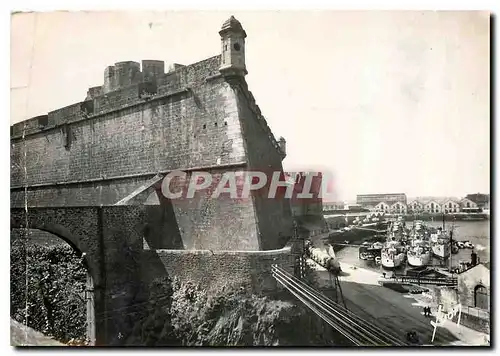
<point x="451" y="247"/>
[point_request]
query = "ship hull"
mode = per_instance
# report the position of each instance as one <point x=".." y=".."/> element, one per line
<point x="357" y="233"/>
<point x="392" y="262"/>
<point x="419" y="260"/>
<point x="368" y="254"/>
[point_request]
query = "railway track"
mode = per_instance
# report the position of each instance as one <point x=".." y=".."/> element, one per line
<point x="357" y="330"/>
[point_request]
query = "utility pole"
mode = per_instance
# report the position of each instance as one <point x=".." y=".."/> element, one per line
<point x="451" y="247"/>
<point x="451" y="242"/>
<point x="300" y="273"/>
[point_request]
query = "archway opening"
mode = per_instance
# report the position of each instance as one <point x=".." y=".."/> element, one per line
<point x="51" y="287"/>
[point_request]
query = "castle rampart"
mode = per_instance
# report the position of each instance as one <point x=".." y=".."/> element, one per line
<point x="143" y="121"/>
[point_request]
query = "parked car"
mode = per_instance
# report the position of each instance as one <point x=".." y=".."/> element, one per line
<point x="468" y="244"/>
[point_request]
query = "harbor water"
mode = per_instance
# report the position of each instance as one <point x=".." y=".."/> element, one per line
<point x="477" y="232"/>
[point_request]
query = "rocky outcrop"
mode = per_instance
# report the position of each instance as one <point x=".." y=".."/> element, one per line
<point x="21" y="335"/>
<point x="196" y="317"/>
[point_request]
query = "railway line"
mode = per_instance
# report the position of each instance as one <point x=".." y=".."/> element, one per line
<point x="357" y="330"/>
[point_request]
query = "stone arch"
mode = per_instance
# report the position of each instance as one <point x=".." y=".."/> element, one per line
<point x="75" y="241"/>
<point x="481" y="297"/>
<point x="89" y="262"/>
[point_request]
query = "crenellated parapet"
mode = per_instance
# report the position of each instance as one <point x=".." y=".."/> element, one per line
<point x="128" y="83"/>
<point x="94" y="92"/>
<point x="152" y="70"/>
<point x="148" y="119"/>
<point x="120" y="75"/>
<point x="125" y="85"/>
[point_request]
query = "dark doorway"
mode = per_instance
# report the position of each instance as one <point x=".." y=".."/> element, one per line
<point x="481" y="297"/>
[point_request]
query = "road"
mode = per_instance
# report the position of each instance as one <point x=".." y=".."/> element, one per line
<point x="383" y="307"/>
<point x="392" y="311"/>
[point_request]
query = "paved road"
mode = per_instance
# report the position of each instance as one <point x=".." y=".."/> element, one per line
<point x="384" y="307"/>
<point x="392" y="311"/>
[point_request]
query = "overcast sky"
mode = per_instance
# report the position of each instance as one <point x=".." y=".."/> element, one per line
<point x="386" y="101"/>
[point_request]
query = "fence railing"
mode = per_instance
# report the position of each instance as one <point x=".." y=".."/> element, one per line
<point x="477" y="312"/>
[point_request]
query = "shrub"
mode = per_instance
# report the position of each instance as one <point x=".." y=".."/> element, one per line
<point x="153" y="326"/>
<point x="234" y="318"/>
<point x="47" y="289"/>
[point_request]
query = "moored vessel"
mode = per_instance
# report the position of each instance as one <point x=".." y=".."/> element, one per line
<point x="370" y="251"/>
<point x="360" y="229"/>
<point x="393" y="254"/>
<point x="440" y="244"/>
<point x="419" y="254"/>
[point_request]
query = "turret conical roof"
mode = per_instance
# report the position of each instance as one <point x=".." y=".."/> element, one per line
<point x="232" y="24"/>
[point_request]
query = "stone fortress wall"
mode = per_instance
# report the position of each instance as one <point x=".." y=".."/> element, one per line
<point x="143" y="121"/>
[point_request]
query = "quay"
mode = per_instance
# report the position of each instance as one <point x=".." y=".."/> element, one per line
<point x="394" y="312"/>
<point x="450" y="282"/>
<point x="341" y="216"/>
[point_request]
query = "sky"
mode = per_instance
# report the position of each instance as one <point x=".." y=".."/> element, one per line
<point x="388" y="102"/>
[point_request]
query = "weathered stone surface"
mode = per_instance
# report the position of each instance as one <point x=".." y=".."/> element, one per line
<point x="111" y="240"/>
<point x="218" y="270"/>
<point x="469" y="280"/>
<point x="206" y="123"/>
<point x="77" y="161"/>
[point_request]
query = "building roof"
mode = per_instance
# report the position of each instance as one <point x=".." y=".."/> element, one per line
<point x="411" y="202"/>
<point x="478" y="198"/>
<point x="232" y="24"/>
<point x="485" y="264"/>
<point x="381" y="194"/>
<point x="467" y="199"/>
<point x="439" y="200"/>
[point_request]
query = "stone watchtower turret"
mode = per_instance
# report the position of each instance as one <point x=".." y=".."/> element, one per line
<point x="233" y="48"/>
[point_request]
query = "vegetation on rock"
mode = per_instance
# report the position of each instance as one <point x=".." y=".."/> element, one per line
<point x="192" y="316"/>
<point x="154" y="327"/>
<point x="48" y="289"/>
<point x="173" y="313"/>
